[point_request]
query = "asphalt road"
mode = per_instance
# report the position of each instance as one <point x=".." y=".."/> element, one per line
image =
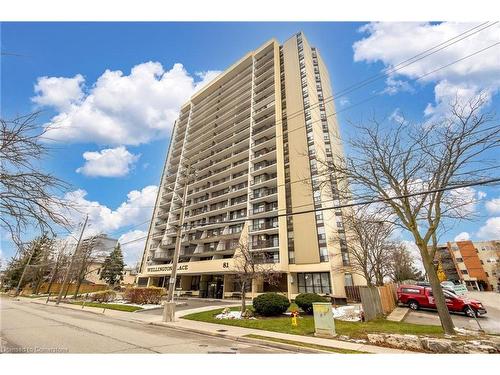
<point x="32" y="328"/>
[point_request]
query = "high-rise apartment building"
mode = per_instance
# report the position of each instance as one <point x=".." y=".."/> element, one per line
<point x="254" y="142"/>
<point x="476" y="264"/>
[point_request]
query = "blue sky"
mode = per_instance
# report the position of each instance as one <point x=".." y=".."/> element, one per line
<point x="62" y="68"/>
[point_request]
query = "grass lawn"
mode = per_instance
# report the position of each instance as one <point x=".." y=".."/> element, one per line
<point x="109" y="306"/>
<point x="307" y="345"/>
<point x="306" y="325"/>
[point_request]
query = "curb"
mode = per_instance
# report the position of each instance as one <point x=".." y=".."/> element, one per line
<point x="249" y="340"/>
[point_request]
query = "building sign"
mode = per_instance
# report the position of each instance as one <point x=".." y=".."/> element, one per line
<point x="217" y="265"/>
<point x="168" y="268"/>
<point x="195" y="268"/>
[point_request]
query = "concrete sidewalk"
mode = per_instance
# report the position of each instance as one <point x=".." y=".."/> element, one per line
<point x="226" y="331"/>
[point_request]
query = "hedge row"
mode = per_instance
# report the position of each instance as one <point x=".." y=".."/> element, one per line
<point x="141" y="296"/>
<point x="270" y="304"/>
<point x="103" y="296"/>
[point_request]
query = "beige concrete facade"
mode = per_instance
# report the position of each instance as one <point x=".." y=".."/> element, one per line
<point x="253" y="137"/>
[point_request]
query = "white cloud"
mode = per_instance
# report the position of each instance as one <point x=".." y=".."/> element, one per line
<point x="59" y="92"/>
<point x="118" y="109"/>
<point x="343" y="101"/>
<point x="491" y="229"/>
<point x="135" y="210"/>
<point x="132" y="251"/>
<point x="110" y="162"/>
<point x="481" y="194"/>
<point x="392" y="43"/>
<point x="462" y="202"/>
<point x="463" y="236"/>
<point x="393" y="86"/>
<point x="397" y="116"/>
<point x="493" y="206"/>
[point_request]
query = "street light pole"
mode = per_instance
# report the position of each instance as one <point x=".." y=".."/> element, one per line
<point x="169" y="307"/>
<point x="66" y="275"/>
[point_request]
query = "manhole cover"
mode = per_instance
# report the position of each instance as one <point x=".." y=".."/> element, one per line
<point x="222" y="330"/>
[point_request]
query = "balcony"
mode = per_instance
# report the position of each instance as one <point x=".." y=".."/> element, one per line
<point x="161" y="255"/>
<point x="263" y="226"/>
<point x="261" y="165"/>
<point x="264" y="192"/>
<point x="263" y="152"/>
<point x="265" y="244"/>
<point x="260" y="180"/>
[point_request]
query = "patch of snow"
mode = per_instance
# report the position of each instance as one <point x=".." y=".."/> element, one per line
<point x="145" y="306"/>
<point x="230" y="315"/>
<point x="347" y="313"/>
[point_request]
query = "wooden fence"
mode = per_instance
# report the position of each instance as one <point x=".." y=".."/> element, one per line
<point x="84" y="288"/>
<point x="352" y="293"/>
<point x="377" y="301"/>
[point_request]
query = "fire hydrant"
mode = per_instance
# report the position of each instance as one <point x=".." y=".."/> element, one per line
<point x="294" y="316"/>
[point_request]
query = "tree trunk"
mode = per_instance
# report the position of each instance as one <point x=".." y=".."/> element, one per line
<point x="52" y="278"/>
<point x="77" y="289"/>
<point x="438" y="295"/>
<point x="243" y="297"/>
<point x="37" y="286"/>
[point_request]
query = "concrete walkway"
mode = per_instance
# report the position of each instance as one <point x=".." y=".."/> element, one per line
<point x="226" y="331"/>
<point x="398" y="314"/>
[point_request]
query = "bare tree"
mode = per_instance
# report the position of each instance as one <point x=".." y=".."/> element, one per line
<point x="419" y="163"/>
<point x="250" y="266"/>
<point x="41" y="271"/>
<point x="88" y="254"/>
<point x="368" y="240"/>
<point x="61" y="258"/>
<point x="402" y="265"/>
<point x="27" y="194"/>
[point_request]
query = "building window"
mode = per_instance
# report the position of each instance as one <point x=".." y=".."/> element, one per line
<point x="195" y="282"/>
<point x="348" y="279"/>
<point x="314" y="282"/>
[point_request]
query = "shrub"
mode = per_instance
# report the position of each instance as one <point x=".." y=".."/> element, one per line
<point x="141" y="296"/>
<point x="305" y="301"/>
<point x="270" y="304"/>
<point x="103" y="296"/>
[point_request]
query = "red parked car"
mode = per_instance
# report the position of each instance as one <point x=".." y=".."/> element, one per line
<point x="416" y="297"/>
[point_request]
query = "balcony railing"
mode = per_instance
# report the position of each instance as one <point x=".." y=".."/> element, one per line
<point x="263" y="226"/>
<point x="263" y="193"/>
<point x="262" y="180"/>
<point x="265" y="244"/>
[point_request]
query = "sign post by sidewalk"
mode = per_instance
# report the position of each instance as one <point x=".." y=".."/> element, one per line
<point x="324" y="325"/>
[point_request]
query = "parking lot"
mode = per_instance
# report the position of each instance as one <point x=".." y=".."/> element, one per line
<point x="490" y="322"/>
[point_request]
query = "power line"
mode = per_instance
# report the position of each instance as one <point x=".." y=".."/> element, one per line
<point x="380" y="93"/>
<point x="347" y="205"/>
<point x="371" y="79"/>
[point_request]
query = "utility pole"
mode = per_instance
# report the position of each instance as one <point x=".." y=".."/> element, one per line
<point x="56" y="268"/>
<point x="169" y="307"/>
<point x="18" y="289"/>
<point x="71" y="262"/>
